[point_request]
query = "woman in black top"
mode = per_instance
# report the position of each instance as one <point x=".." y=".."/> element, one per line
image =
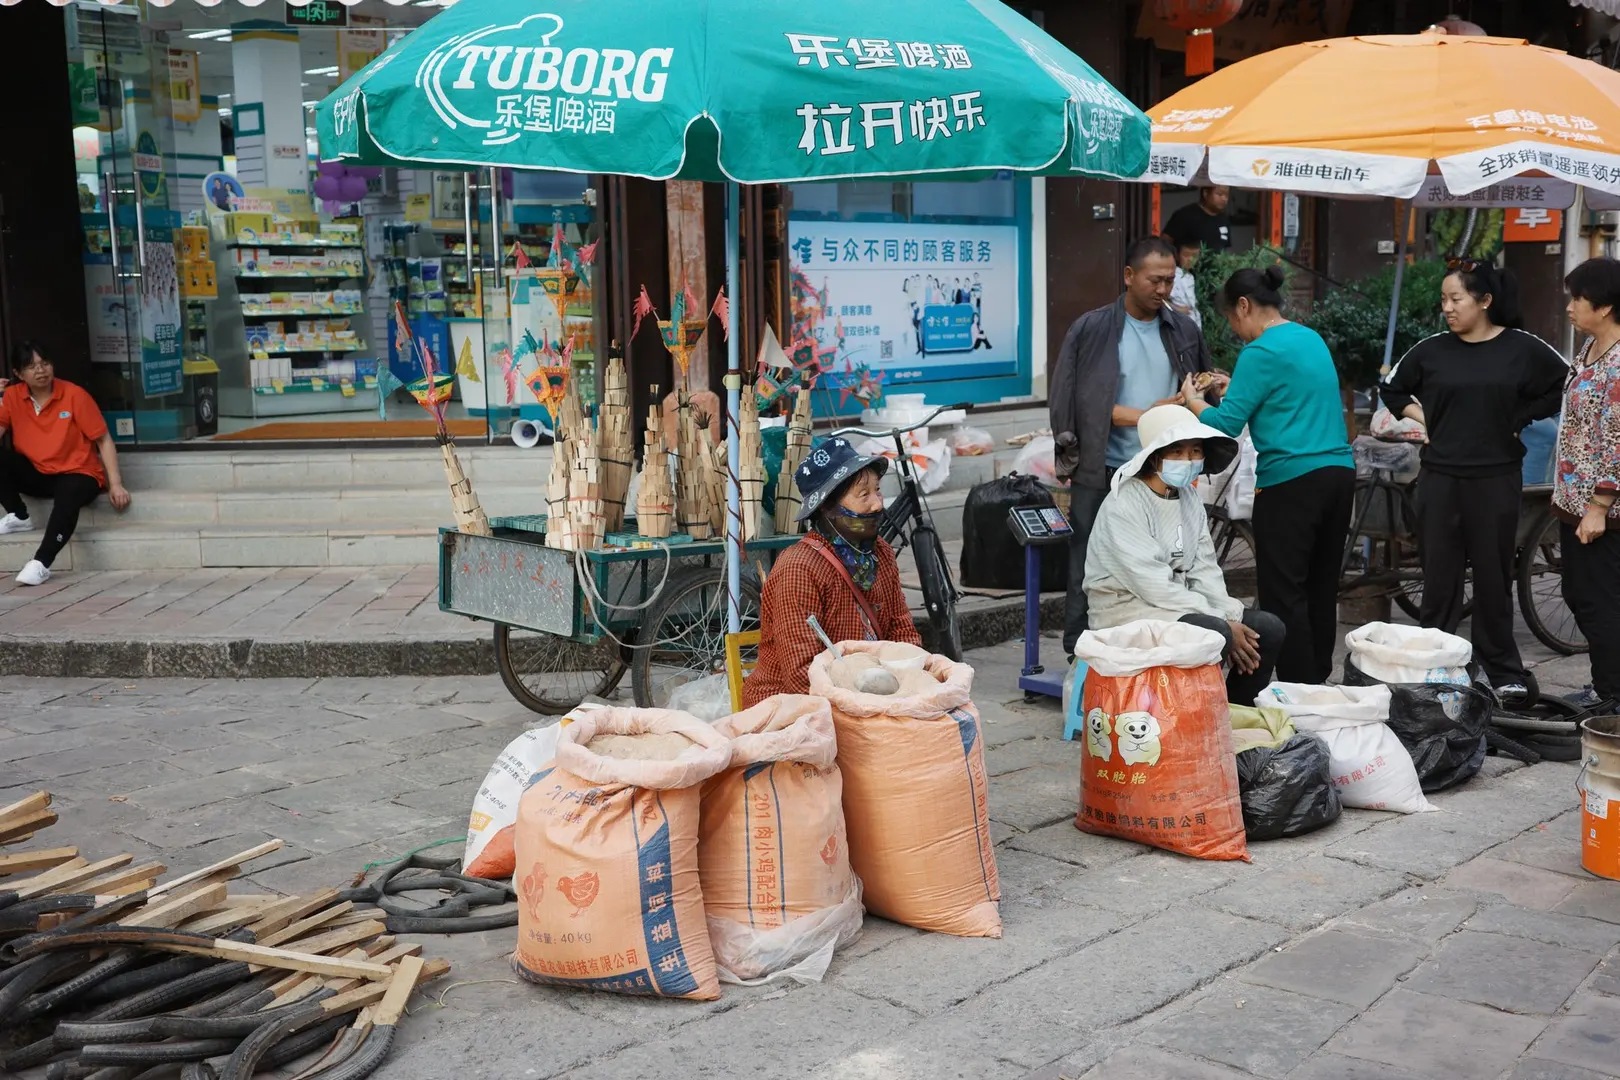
<point x="1479" y="385"/>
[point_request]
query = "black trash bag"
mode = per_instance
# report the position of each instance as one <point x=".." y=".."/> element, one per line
<point x="1442" y="725"/>
<point x="992" y="558"/>
<point x="1287" y="790"/>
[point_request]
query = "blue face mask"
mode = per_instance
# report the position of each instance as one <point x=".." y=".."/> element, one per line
<point x="1180" y="474"/>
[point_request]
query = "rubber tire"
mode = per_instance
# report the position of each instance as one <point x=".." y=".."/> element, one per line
<point x="939" y="594"/>
<point x="675" y="589"/>
<point x="544" y="704"/>
<point x="1527" y="606"/>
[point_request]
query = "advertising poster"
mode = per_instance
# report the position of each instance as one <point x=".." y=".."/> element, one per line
<point x="916" y="302"/>
<point x="161" y="352"/>
<point x="357" y="48"/>
<point x="185" y="91"/>
<point x="109" y="315"/>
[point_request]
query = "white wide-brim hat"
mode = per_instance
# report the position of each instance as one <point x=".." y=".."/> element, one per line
<point x="1166" y="425"/>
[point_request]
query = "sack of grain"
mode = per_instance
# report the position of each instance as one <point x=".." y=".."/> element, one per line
<point x="488" y="853"/>
<point x="607" y="865"/>
<point x="1158" y="765"/>
<point x="916" y="796"/>
<point x="773" y="854"/>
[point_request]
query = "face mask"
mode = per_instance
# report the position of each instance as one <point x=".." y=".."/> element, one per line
<point x="856" y="526"/>
<point x="1180" y="474"/>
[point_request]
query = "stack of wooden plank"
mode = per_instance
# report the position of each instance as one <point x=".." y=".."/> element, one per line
<point x="89" y="949"/>
<point x="798" y="448"/>
<point x="655" y="502"/>
<point x="696" y="466"/>
<point x="750" y="468"/>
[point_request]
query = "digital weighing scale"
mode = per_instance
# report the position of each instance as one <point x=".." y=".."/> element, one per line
<point x="1035" y="527"/>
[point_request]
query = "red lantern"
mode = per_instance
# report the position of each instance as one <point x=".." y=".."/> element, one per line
<point x="1199" y="18"/>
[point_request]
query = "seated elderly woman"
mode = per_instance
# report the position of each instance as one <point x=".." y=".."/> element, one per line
<point x="1151" y="556"/>
<point x="841" y="573"/>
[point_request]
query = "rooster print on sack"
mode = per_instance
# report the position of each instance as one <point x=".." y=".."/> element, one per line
<point x="829" y="850"/>
<point x="534" y="887"/>
<point x="580" y="891"/>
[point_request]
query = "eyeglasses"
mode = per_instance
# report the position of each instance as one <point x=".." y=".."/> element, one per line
<point x="1467" y="266"/>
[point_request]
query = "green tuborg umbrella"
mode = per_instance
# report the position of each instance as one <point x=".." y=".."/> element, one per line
<point x="742" y="91"/>
<point x="753" y="91"/>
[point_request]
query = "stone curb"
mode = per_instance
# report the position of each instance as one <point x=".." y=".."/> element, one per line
<point x="247" y="658"/>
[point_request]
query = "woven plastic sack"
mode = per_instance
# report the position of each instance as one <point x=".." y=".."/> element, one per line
<point x="773" y="852"/>
<point x="489" y="852"/>
<point x="1371" y="769"/>
<point x="1389" y="653"/>
<point x="1157" y="765"/>
<point x="917" y="799"/>
<point x="1288" y="789"/>
<point x="607" y="862"/>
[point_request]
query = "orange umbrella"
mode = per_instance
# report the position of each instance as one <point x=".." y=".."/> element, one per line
<point x="1369" y="115"/>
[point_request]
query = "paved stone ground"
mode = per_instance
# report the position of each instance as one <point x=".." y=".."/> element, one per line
<point x="1466" y="943"/>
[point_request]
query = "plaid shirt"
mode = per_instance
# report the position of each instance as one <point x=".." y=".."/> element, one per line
<point x="803" y="584"/>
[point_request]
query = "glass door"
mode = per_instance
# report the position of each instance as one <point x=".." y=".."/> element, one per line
<point x="138" y="332"/>
<point x="504" y="361"/>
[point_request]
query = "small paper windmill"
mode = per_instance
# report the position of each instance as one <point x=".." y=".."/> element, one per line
<point x="681" y="333"/>
<point x="866" y="387"/>
<point x="559" y="277"/>
<point x="510" y="372"/>
<point x="549" y="381"/>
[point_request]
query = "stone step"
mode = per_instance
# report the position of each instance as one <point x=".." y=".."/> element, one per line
<point x="279" y="470"/>
<point x="137" y="547"/>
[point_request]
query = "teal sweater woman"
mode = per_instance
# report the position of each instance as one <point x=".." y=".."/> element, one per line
<point x="1285" y="390"/>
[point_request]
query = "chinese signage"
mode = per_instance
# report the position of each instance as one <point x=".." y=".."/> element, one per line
<point x="1533" y="224"/>
<point x="185" y="91"/>
<point x="913" y="302"/>
<point x="1527" y="191"/>
<point x="318" y="13"/>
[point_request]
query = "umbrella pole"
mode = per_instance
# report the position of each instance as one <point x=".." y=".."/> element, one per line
<point x="733" y="410"/>
<point x="1395" y="294"/>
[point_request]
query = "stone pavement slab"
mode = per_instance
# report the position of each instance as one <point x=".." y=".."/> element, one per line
<point x="1116" y="958"/>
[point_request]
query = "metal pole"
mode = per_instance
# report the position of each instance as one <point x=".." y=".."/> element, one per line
<point x="733" y="410"/>
<point x="1395" y="296"/>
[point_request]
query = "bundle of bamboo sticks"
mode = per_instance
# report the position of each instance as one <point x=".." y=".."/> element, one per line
<point x="798" y="448"/>
<point x="615" y="443"/>
<point x="750" y="467"/>
<point x="655" y="502"/>
<point x="695" y="473"/>
<point x="88" y="948"/>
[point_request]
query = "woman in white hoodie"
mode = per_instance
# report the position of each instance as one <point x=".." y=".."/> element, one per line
<point x="1151" y="557"/>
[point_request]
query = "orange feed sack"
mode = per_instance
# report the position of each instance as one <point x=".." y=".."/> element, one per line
<point x="773" y="853"/>
<point x="916" y="799"/>
<point x="607" y="864"/>
<point x="1157" y="765"/>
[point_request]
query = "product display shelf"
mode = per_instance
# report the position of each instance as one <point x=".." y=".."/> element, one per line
<point x="314" y="373"/>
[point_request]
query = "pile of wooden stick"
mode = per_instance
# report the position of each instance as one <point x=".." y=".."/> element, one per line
<point x="109" y="971"/>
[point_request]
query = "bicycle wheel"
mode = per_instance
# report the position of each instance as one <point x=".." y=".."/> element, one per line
<point x="939" y="592"/>
<point x="1409" y="593"/>
<point x="1541" y="592"/>
<point x="1234" y="553"/>
<point x="684" y="635"/>
<point x="551" y="674"/>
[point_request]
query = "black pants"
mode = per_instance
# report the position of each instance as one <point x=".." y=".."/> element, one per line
<point x="1472" y="522"/>
<point x="1592" y="591"/>
<point x="1243" y="689"/>
<point x="1083" y="506"/>
<point x="1300" y="529"/>
<point x="70" y="492"/>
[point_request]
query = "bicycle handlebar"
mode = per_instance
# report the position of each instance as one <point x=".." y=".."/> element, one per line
<point x="887" y="432"/>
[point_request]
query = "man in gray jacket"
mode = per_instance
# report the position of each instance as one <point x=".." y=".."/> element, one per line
<point x="1115" y="364"/>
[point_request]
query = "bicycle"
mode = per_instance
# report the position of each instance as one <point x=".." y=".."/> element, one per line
<point x="907" y="522"/>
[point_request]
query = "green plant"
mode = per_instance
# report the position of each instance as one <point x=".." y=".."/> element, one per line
<point x="1210" y="273"/>
<point x="1354" y="319"/>
<point x="1482" y="228"/>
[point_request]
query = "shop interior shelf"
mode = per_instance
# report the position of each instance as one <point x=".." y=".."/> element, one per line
<point x="298" y="274"/>
<point x="322" y="244"/>
<point x="331" y="349"/>
<point x="246" y="314"/>
<point x="332" y="387"/>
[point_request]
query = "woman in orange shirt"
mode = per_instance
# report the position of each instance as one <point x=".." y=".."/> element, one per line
<point x="60" y="450"/>
<point x="841" y="573"/>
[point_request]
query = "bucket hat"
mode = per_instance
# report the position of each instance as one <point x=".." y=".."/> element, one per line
<point x="829" y="466"/>
<point x="1166" y="425"/>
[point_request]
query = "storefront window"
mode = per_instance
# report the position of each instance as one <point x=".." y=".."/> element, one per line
<point x="914" y="283"/>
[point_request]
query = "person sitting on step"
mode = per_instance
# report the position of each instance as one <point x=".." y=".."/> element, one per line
<point x="60" y="450"/>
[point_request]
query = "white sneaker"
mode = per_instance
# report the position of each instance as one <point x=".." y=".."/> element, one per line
<point x="35" y="573"/>
<point x="12" y="523"/>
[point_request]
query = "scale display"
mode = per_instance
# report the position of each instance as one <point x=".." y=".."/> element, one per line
<point x="1039" y="524"/>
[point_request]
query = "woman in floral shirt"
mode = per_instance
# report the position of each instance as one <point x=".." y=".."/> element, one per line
<point x="1587" y="483"/>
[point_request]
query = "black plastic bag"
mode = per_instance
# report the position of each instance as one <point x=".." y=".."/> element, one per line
<point x="1442" y="725"/>
<point x="1287" y="790"/>
<point x="992" y="558"/>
